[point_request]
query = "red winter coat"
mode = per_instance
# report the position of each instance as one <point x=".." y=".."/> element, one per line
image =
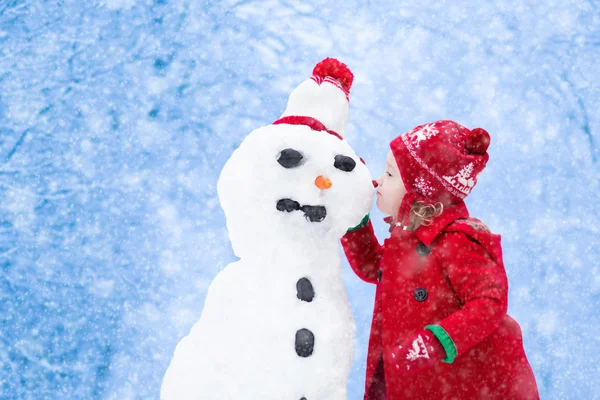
<point x="450" y="275"/>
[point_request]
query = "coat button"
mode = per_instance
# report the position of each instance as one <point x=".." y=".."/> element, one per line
<point x="423" y="250"/>
<point x="420" y="294"/>
<point x="379" y="273"/>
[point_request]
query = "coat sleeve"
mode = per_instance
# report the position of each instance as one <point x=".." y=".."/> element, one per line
<point x="363" y="252"/>
<point x="482" y="287"/>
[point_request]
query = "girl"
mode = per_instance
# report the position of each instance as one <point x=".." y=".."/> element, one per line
<point x="440" y="328"/>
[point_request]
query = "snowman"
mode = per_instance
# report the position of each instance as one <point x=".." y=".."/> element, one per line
<point x="277" y="324"/>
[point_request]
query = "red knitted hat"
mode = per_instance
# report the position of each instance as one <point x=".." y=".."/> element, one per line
<point x="321" y="102"/>
<point x="439" y="162"/>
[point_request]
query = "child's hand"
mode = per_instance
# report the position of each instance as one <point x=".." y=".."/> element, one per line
<point x="361" y="224"/>
<point x="418" y="352"/>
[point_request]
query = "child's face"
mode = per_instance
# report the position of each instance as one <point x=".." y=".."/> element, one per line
<point x="390" y="189"/>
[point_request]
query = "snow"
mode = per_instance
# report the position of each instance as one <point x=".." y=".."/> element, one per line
<point x="84" y="249"/>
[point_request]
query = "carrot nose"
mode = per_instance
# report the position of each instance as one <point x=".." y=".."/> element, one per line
<point x="375" y="184"/>
<point x="323" y="183"/>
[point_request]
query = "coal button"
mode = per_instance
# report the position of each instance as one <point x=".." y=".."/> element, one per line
<point x="305" y="290"/>
<point x="305" y="342"/>
<point x="379" y="273"/>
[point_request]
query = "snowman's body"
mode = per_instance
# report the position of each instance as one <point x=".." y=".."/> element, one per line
<point x="244" y="345"/>
<point x="277" y="324"/>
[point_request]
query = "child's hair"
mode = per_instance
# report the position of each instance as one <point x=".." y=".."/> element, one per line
<point x="423" y="214"/>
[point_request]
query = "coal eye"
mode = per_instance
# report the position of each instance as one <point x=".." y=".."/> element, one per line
<point x="290" y="158"/>
<point x="344" y="163"/>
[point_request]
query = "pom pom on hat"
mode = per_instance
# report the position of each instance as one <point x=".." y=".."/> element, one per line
<point x="334" y="69"/>
<point x="321" y="101"/>
<point x="478" y="141"/>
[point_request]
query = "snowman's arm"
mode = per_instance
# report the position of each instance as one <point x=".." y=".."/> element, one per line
<point x="363" y="252"/>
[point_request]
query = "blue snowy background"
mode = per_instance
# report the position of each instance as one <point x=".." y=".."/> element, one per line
<point x="117" y="116"/>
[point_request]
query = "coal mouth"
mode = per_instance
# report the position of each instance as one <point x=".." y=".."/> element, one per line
<point x="311" y="213"/>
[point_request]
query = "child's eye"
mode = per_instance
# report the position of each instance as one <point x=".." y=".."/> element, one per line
<point x="388" y="173"/>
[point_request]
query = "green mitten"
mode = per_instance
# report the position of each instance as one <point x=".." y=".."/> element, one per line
<point x="362" y="223"/>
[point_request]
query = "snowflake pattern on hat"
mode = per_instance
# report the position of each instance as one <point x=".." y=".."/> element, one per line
<point x="416" y="136"/>
<point x="423" y="187"/>
<point x="462" y="181"/>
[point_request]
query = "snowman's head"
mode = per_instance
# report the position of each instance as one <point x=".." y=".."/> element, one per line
<point x="297" y="180"/>
<point x="291" y="183"/>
